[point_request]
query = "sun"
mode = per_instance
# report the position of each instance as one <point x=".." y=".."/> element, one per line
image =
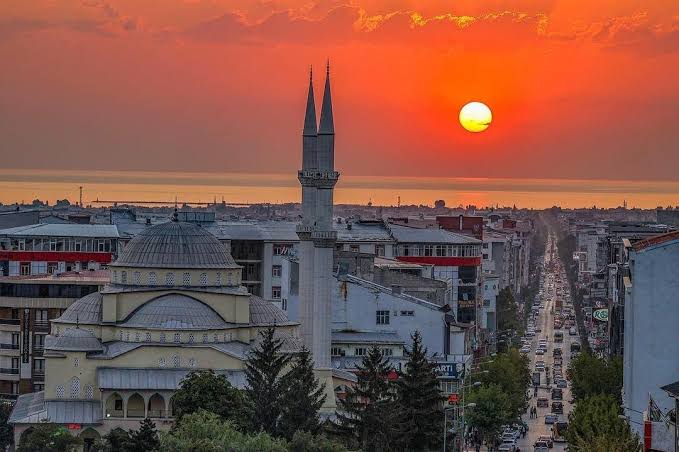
<point x="475" y="117"/>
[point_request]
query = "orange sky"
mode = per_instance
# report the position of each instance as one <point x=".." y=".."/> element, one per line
<point x="578" y="88"/>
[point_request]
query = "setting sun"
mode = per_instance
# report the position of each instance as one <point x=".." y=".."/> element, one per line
<point x="475" y="117"/>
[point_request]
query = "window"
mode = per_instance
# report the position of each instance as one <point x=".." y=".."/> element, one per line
<point x="448" y="386"/>
<point x="229" y="276"/>
<point x="148" y="337"/>
<point x="276" y="271"/>
<point x="215" y="338"/>
<point x="204" y="338"/>
<point x="37" y="387"/>
<point x="136" y="278"/>
<point x="137" y="336"/>
<point x="192" y="362"/>
<point x="25" y="269"/>
<point x="360" y="351"/>
<point x="15" y="340"/>
<point x="89" y="392"/>
<point x="337" y="351"/>
<point x="186" y="279"/>
<point x="15" y="387"/>
<point x="203" y="279"/>
<point x="428" y="250"/>
<point x="354" y="248"/>
<point x="284" y="304"/>
<point x="177" y="338"/>
<point x="52" y="268"/>
<point x="382" y="318"/>
<point x="387" y="352"/>
<point x="407" y="313"/>
<point x="153" y="280"/>
<point x="169" y="279"/>
<point x="75" y="388"/>
<point x="15" y="363"/>
<point x="76" y="362"/>
<point x="218" y="279"/>
<point x="485" y="246"/>
<point x="485" y="256"/>
<point x="41" y="315"/>
<point x="175" y="360"/>
<point x="162" y="337"/>
<point x="276" y="292"/>
<point x="123" y="277"/>
<point x="379" y="250"/>
<point x="191" y="338"/>
<point x="280" y="249"/>
<point x="161" y="361"/>
<point x="118" y="405"/>
<point x="60" y="391"/>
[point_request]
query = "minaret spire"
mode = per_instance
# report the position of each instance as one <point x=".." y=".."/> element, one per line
<point x="310" y="117"/>
<point x="327" y="125"/>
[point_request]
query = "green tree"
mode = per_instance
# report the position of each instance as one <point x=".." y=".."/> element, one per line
<point x="143" y="440"/>
<point x="308" y="442"/>
<point x="365" y="412"/>
<point x="6" y="432"/>
<point x="419" y="413"/>
<point x="594" y="426"/>
<point x="511" y="372"/>
<point x="266" y="386"/>
<point x="115" y="440"/>
<point x="207" y="432"/>
<point x="493" y="409"/>
<point x="46" y="437"/>
<point x="205" y="390"/>
<point x="508" y="318"/>
<point x="303" y="398"/>
<point x="591" y="375"/>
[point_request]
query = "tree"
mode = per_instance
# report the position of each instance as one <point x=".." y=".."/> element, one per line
<point x="507" y="311"/>
<point x="419" y="413"/>
<point x="594" y="426"/>
<point x="143" y="440"/>
<point x="493" y="410"/>
<point x="46" y="437"/>
<point x="266" y="387"/>
<point x="365" y="412"/>
<point x="207" y="432"/>
<point x="510" y="371"/>
<point x="205" y="390"/>
<point x="115" y="440"/>
<point x="303" y="399"/>
<point x="307" y="442"/>
<point x="591" y="375"/>
<point x="6" y="431"/>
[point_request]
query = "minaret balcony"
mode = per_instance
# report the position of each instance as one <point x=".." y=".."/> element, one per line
<point x="324" y="239"/>
<point x="318" y="178"/>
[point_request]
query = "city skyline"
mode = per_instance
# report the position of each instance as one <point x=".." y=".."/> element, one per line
<point x="122" y="85"/>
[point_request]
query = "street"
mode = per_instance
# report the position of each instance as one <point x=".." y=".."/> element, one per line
<point x="554" y="286"/>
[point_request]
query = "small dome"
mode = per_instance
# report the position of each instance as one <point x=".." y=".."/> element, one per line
<point x="74" y="339"/>
<point x="86" y="311"/>
<point x="175" y="245"/>
<point x="175" y="311"/>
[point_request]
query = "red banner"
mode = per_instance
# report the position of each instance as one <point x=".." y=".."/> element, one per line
<point x="55" y="256"/>
<point x="442" y="261"/>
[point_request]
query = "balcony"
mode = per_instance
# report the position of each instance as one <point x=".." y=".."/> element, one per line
<point x="41" y="325"/>
<point x="157" y="413"/>
<point x="10" y="321"/>
<point x="9" y="371"/>
<point x="9" y="346"/>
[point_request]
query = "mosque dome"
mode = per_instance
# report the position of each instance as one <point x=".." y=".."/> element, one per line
<point x="76" y="340"/>
<point x="175" y="245"/>
<point x="175" y="311"/>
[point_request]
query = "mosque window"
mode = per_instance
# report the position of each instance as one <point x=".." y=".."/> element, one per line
<point x="115" y="275"/>
<point x="148" y="337"/>
<point x="76" y="362"/>
<point x="89" y="392"/>
<point x="75" y="388"/>
<point x="162" y="337"/>
<point x="175" y="361"/>
<point x="192" y="362"/>
<point x="58" y="331"/>
<point x="177" y="338"/>
<point x="127" y="336"/>
<point x="136" y="278"/>
<point x="120" y="335"/>
<point x="169" y="279"/>
<point x="229" y="280"/>
<point x="123" y="277"/>
<point x="137" y="336"/>
<point x="215" y="338"/>
<point x="186" y="279"/>
<point x="218" y="279"/>
<point x="60" y="391"/>
<point x="205" y="338"/>
<point x="152" y="279"/>
<point x="161" y="361"/>
<point x="203" y="279"/>
<point x="225" y="337"/>
<point x="191" y="338"/>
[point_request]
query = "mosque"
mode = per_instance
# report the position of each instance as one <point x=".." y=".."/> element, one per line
<point x="174" y="304"/>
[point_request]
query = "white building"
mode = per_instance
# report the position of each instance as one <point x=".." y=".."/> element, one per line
<point x="651" y="333"/>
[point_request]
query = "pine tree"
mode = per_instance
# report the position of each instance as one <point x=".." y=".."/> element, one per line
<point x="303" y="398"/>
<point x="418" y="402"/>
<point x="143" y="440"/>
<point x="266" y="387"/>
<point x="365" y="412"/>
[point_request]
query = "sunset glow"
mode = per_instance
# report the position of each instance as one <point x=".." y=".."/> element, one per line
<point x="475" y="117"/>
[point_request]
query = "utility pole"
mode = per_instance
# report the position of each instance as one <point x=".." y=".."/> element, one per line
<point x="81" y="196"/>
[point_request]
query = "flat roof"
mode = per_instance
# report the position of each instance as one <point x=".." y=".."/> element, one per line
<point x="383" y="262"/>
<point x="406" y="234"/>
<point x="63" y="230"/>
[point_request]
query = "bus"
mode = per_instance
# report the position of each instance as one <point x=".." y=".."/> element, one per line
<point x="558" y="336"/>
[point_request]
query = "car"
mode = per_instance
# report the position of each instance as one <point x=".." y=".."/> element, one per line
<point x="557" y="394"/>
<point x="541" y="446"/>
<point x="538" y="329"/>
<point x="509" y="436"/>
<point x="572" y="332"/>
<point x="557" y="407"/>
<point x="542" y="402"/>
<point x="547" y="439"/>
<point x="557" y="352"/>
<point x="551" y="418"/>
<point x="506" y="447"/>
<point x="562" y="384"/>
<point x="540" y="351"/>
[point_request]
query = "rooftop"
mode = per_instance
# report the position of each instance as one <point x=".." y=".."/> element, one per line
<point x="656" y="240"/>
<point x="406" y="234"/>
<point x="63" y="230"/>
<point x="175" y="311"/>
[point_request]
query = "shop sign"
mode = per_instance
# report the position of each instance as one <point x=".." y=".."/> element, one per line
<point x="601" y="315"/>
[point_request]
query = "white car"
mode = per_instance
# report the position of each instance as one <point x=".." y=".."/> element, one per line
<point x="540" y="351"/>
<point x="573" y="331"/>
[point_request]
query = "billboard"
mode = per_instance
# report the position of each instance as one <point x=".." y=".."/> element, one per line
<point x="449" y="369"/>
<point x="600" y="315"/>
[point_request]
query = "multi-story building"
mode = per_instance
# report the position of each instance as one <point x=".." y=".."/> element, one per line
<point x="27" y="305"/>
<point x="651" y="333"/>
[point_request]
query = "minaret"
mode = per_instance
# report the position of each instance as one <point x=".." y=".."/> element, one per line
<point x="318" y="178"/>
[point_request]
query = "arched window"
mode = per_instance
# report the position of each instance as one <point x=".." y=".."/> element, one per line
<point x="123" y="277"/>
<point x="153" y="280"/>
<point x="192" y="362"/>
<point x="60" y="391"/>
<point x="176" y="361"/>
<point x="204" y="338"/>
<point x="162" y="337"/>
<point x="76" y="362"/>
<point x="186" y="279"/>
<point x="89" y="392"/>
<point x="177" y="338"/>
<point x="203" y="279"/>
<point x="229" y="280"/>
<point x="191" y="338"/>
<point x="75" y="388"/>
<point x="161" y="361"/>
<point x="115" y="276"/>
<point x="137" y="337"/>
<point x="215" y="338"/>
<point x="218" y="279"/>
<point x="148" y="337"/>
<point x="169" y="279"/>
<point x="136" y="278"/>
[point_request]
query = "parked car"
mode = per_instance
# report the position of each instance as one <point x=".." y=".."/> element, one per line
<point x="557" y="407"/>
<point x="551" y="418"/>
<point x="542" y="402"/>
<point x="540" y="446"/>
<point x="557" y="394"/>
<point x="573" y="331"/>
<point x="561" y="383"/>
<point x="540" y="351"/>
<point x="547" y="439"/>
